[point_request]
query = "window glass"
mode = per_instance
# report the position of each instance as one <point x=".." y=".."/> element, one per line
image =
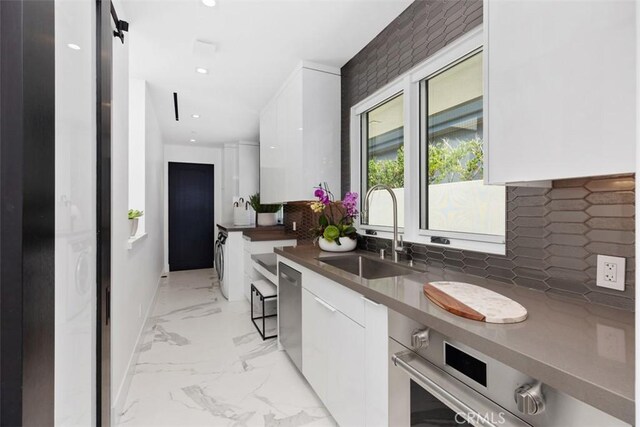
<point x="454" y="197"/>
<point x="383" y="160"/>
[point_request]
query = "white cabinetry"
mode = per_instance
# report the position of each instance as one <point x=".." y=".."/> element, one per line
<point x="241" y="176"/>
<point x="300" y="135"/>
<point x="344" y="350"/>
<point x="376" y="356"/>
<point x="333" y="359"/>
<point x="233" y="278"/>
<point x="560" y="88"/>
<point x="248" y="169"/>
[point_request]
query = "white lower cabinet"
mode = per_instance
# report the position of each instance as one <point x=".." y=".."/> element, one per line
<point x="315" y="342"/>
<point x="333" y="359"/>
<point x="345" y="361"/>
<point x="345" y="371"/>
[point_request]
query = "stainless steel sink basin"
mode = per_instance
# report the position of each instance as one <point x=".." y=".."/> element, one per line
<point x="365" y="267"/>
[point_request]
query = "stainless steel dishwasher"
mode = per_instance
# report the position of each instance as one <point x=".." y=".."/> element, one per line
<point x="290" y="312"/>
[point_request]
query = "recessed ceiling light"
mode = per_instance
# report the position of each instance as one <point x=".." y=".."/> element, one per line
<point x="202" y="70"/>
<point x="195" y="116"/>
<point x="73" y="46"/>
<point x="273" y="147"/>
<point x="209" y="3"/>
<point x="192" y="140"/>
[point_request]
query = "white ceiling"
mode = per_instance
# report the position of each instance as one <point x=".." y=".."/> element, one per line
<point x="259" y="42"/>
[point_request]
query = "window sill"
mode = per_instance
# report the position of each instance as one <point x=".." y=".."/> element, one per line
<point x="133" y="241"/>
<point x="455" y="244"/>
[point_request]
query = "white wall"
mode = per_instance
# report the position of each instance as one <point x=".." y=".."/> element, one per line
<point x="191" y="154"/>
<point x="135" y="272"/>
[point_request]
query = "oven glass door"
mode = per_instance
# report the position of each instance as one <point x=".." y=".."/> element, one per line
<point x="428" y="411"/>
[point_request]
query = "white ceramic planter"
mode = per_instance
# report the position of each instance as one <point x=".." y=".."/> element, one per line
<point x="133" y="227"/>
<point x="346" y="244"/>
<point x="265" y="219"/>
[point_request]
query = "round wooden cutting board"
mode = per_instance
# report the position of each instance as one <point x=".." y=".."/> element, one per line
<point x="474" y="302"/>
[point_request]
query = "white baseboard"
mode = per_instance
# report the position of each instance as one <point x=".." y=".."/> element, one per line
<point x="121" y="397"/>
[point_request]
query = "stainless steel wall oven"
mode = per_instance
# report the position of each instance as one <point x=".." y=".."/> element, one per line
<point x="436" y="381"/>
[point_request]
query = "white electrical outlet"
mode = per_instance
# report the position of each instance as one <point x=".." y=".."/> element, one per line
<point x="610" y="272"/>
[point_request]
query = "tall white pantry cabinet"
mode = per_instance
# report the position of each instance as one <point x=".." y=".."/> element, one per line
<point x="300" y="136"/>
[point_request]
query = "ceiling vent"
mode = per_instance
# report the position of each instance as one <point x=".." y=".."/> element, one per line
<point x="175" y="105"/>
<point x="204" y="49"/>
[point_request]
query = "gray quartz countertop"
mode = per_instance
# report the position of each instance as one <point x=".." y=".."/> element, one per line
<point x="260" y="234"/>
<point x="233" y="227"/>
<point x="268" y="261"/>
<point x="582" y="349"/>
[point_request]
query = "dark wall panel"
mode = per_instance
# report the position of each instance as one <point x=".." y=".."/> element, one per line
<point x="27" y="191"/>
<point x="39" y="212"/>
<point x="11" y="185"/>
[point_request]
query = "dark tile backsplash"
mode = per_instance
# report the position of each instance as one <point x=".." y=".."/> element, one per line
<point x="553" y="238"/>
<point x="553" y="235"/>
<point x="305" y="219"/>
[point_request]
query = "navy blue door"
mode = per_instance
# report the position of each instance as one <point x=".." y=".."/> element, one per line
<point x="191" y="216"/>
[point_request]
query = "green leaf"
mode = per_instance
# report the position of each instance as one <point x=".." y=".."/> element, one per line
<point x="134" y="213"/>
<point x="331" y="233"/>
<point x="254" y="201"/>
<point x="323" y="220"/>
<point x="349" y="230"/>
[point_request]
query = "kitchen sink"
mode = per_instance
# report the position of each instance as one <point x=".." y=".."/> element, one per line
<point x="366" y="267"/>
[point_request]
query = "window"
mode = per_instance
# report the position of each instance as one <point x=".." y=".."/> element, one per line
<point x="422" y="134"/>
<point x="137" y="149"/>
<point x="383" y="159"/>
<point x="453" y="196"/>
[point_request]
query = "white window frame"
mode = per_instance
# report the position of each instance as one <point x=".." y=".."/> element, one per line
<point x="409" y="85"/>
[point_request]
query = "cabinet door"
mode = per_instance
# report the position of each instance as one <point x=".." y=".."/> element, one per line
<point x="248" y="170"/>
<point x="289" y="143"/>
<point x="345" y="372"/>
<point x="321" y="132"/>
<point x="314" y="343"/>
<point x="376" y="364"/>
<point x="560" y="89"/>
<point x="270" y="182"/>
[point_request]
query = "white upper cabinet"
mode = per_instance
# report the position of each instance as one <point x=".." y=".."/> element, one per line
<point x="559" y="89"/>
<point x="300" y="136"/>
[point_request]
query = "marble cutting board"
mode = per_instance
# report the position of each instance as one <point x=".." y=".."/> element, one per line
<point x="474" y="302"/>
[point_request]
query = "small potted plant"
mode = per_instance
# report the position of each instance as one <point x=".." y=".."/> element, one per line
<point x="335" y="231"/>
<point x="266" y="213"/>
<point x="134" y="214"/>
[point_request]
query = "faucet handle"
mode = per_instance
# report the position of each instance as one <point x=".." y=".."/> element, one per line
<point x="400" y="245"/>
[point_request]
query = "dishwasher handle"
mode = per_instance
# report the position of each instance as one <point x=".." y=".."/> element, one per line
<point x="406" y="360"/>
<point x="288" y="278"/>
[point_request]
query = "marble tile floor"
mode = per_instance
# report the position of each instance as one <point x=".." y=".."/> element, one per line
<point x="202" y="363"/>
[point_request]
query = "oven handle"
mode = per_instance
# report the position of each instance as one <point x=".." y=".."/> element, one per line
<point x="403" y="361"/>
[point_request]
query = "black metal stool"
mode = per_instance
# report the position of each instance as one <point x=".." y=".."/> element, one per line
<point x="266" y="291"/>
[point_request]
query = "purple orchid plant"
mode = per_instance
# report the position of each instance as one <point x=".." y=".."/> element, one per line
<point x="336" y="217"/>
